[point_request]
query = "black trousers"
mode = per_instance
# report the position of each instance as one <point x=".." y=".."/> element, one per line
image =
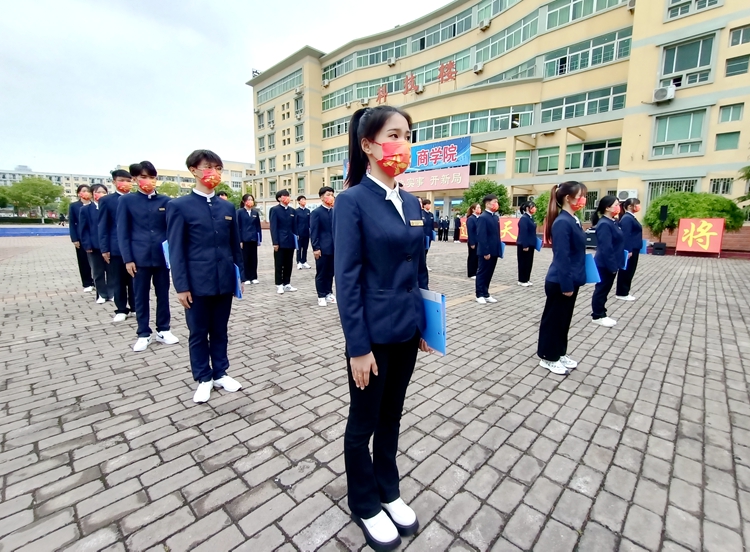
<point x="250" y="259"/>
<point x="283" y="262"/>
<point x="376" y="411"/>
<point x="556" y="318"/>
<point x="472" y="261"/>
<point x="457" y="233"/>
<point x="84" y="269"/>
<point x="525" y="262"/>
<point x="122" y="285"/>
<point x="601" y="290"/>
<point x="484" y="275"/>
<point x="99" y="270"/>
<point x="446" y="231"/>
<point x="324" y="275"/>
<point x="303" y="242"/>
<point x="207" y="319"/>
<point x="440" y="234"/>
<point x="144" y="277"/>
<point x="625" y="277"/>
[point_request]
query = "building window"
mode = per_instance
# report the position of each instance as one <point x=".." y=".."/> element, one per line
<point x="488" y="9"/>
<point x="299" y="106"/>
<point x="731" y="113"/>
<point x="300" y="158"/>
<point x="272" y="141"/>
<point x="722" y="186"/>
<point x="262" y="144"/>
<point x="581" y="105"/>
<point x="261" y="121"/>
<point x="519" y="200"/>
<point x="336" y="128"/>
<point x="523" y="161"/>
<point x="680" y="134"/>
<point x="524" y="71"/>
<point x="271" y="187"/>
<point x="600" y="50"/>
<point x="687" y="63"/>
<point x="727" y="141"/>
<point x="236" y="184"/>
<point x="336" y="154"/>
<point x="380" y="54"/>
<point x="487" y="163"/>
<point x="336" y="182"/>
<point x="738" y="65"/>
<point x="593" y="155"/>
<point x="740" y="36"/>
<point x="547" y="159"/>
<point x="446" y="30"/>
<point x="272" y="164"/>
<point x="338" y="68"/>
<point x="300" y="184"/>
<point x="562" y="12"/>
<point x="507" y="39"/>
<point x="337" y="98"/>
<point x="270" y="116"/>
<point x="262" y="166"/>
<point x="299" y="133"/>
<point x="678" y="8"/>
<point x="280" y="87"/>
<point x="663" y="187"/>
<point x="477" y="122"/>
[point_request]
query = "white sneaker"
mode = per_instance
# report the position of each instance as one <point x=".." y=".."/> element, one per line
<point x="203" y="393"/>
<point x="473" y="278"/>
<point x="428" y="268"/>
<point x="88" y="289"/>
<point x="568" y="362"/>
<point x="255" y="282"/>
<point x="167" y="337"/>
<point x="299" y="266"/>
<point x="379" y="531"/>
<point x="247" y="282"/>
<point x="524" y="284"/>
<point x="625" y="298"/>
<point x="228" y="384"/>
<point x="402" y="516"/>
<point x="607" y="322"/>
<point x="491" y="299"/>
<point x="120" y="317"/>
<point x="331" y="298"/>
<point x="305" y="265"/>
<point x="111" y="299"/>
<point x="554" y="367"/>
<point x="142" y="344"/>
<point x="279" y="289"/>
<point x="101" y="300"/>
<point x="322" y="302"/>
<point x="481" y="300"/>
<point x="289" y="287"/>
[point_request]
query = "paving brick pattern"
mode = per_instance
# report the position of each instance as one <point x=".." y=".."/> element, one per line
<point x="645" y="447"/>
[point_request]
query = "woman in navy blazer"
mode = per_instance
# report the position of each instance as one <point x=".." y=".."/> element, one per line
<point x="565" y="276"/>
<point x="89" y="231"/>
<point x="526" y="243"/>
<point x="609" y="256"/>
<point x="251" y="235"/>
<point x="380" y="266"/>
<point x="74" y="221"/>
<point x="632" y="233"/>
<point x="472" y="261"/>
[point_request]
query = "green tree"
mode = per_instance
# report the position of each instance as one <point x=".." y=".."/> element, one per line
<point x="745" y="175"/>
<point x="692" y="205"/>
<point x="63" y="205"/>
<point x="542" y="201"/>
<point x="169" y="189"/>
<point x="481" y="188"/>
<point x="3" y="197"/>
<point x="232" y="195"/>
<point x="33" y="192"/>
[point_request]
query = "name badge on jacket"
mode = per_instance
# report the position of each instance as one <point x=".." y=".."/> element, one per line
<point x="416" y="222"/>
<point x="227" y="218"/>
<point x="162" y="208"/>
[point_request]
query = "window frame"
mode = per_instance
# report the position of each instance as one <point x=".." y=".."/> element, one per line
<point x="735" y="134"/>
<point x="718" y="186"/>
<point x="742" y="60"/>
<point x="668" y="79"/>
<point x="742" y="32"/>
<point x="691" y="6"/>
<point x="704" y="133"/>
<point x="300" y="154"/>
<point x="731" y="110"/>
<point x="299" y="133"/>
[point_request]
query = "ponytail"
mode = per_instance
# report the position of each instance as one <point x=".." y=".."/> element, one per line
<point x="556" y="198"/>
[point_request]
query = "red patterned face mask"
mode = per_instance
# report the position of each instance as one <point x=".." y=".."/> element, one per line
<point x="396" y="157"/>
<point x="146" y="185"/>
<point x="578" y="205"/>
<point x="211" y="178"/>
<point x="123" y="186"/>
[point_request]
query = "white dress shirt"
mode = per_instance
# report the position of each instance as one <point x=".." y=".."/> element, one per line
<point x="392" y="195"/>
<point x="202" y="194"/>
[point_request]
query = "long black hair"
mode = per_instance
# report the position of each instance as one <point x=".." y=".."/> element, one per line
<point x="604" y="203"/>
<point x="526" y="205"/>
<point x="366" y="123"/>
<point x="556" y="197"/>
<point x="627" y="204"/>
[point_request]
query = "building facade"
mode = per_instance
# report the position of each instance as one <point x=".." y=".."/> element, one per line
<point x="636" y="97"/>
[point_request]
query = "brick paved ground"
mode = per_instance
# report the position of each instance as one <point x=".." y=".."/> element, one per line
<point x="645" y="447"/>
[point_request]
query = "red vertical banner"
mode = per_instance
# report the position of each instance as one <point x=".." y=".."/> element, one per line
<point x="464" y="231"/>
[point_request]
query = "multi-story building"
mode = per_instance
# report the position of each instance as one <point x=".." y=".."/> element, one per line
<point x="638" y="97"/>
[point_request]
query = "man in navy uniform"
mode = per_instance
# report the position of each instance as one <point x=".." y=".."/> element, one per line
<point x="204" y="249"/>
<point x="121" y="281"/>
<point x="74" y="214"/>
<point x="489" y="248"/>
<point x="282" y="219"/>
<point x="322" y="244"/>
<point x="141" y="231"/>
<point x="88" y="229"/>
<point x="428" y="219"/>
<point x="302" y="230"/>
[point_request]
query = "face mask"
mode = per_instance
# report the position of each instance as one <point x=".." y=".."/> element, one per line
<point x="123" y="186"/>
<point x="210" y="179"/>
<point x="578" y="205"/>
<point x="396" y="157"/>
<point x="615" y="210"/>
<point x="86" y="196"/>
<point x="146" y="185"/>
<point x="285" y="200"/>
<point x="493" y="208"/>
<point x="98" y="196"/>
<point x="532" y="210"/>
<point x="637" y="209"/>
<point x="328" y="200"/>
<point x="249" y="204"/>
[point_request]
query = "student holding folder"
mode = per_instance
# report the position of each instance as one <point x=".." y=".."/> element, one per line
<point x="379" y="240"/>
<point x="472" y="261"/>
<point x="632" y="233"/>
<point x="526" y="243"/>
<point x="89" y="231"/>
<point x="565" y="276"/>
<point x="610" y="256"/>
<point x="248" y="226"/>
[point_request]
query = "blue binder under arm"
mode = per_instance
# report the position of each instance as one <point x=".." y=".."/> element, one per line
<point x="592" y="273"/>
<point x="435" y="329"/>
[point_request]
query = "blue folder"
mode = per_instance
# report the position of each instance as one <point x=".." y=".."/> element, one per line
<point x="625" y="264"/>
<point x="238" y="281"/>
<point x="435" y="329"/>
<point x="426" y="242"/>
<point x="434" y="236"/>
<point x="502" y="250"/>
<point x="644" y="247"/>
<point x="260" y="237"/>
<point x="538" y="244"/>
<point x="165" y="248"/>
<point x="592" y="273"/>
<point x="296" y="241"/>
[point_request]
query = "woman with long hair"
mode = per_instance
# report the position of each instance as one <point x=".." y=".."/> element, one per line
<point x="380" y="268"/>
<point x="565" y="276"/>
<point x="526" y="243"/>
<point x="251" y="235"/>
<point x="472" y="261"/>
<point x="609" y="256"/>
<point x="632" y="233"/>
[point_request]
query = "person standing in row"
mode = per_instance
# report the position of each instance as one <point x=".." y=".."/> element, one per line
<point x="302" y="231"/>
<point x="89" y="230"/>
<point x="321" y="232"/>
<point x="223" y="195"/>
<point x="120" y="281"/>
<point x="204" y="249"/>
<point x="446" y="224"/>
<point x="457" y="229"/>
<point x="489" y="248"/>
<point x="526" y="243"/>
<point x="472" y="261"/>
<point x="565" y="276"/>
<point x="610" y="256"/>
<point x="282" y="219"/>
<point x="632" y="233"/>
<point x="428" y="219"/>
<point x="380" y="267"/>
<point x="251" y="236"/>
<point x="74" y="228"/>
<point x="141" y="231"/>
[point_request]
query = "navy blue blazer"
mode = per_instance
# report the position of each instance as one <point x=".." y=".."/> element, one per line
<point x="379" y="265"/>
<point x="471" y="228"/>
<point x="609" y="245"/>
<point x="108" y="238"/>
<point x="283" y="226"/>
<point x="74" y="221"/>
<point x="568" y="266"/>
<point x="248" y="225"/>
<point x="302" y="222"/>
<point x="142" y="228"/>
<point x="526" y="232"/>
<point x="321" y="230"/>
<point x="488" y="235"/>
<point x="204" y="245"/>
<point x="632" y="232"/>
<point x="88" y="226"/>
<point x="429" y="223"/>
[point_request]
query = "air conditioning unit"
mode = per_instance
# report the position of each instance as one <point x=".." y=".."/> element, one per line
<point x="419" y="89"/>
<point x="599" y="169"/>
<point x="391" y="61"/>
<point x="298" y="91"/>
<point x="478" y="67"/>
<point x="326" y="82"/>
<point x="364" y="101"/>
<point x="631" y="5"/>
<point x="484" y="24"/>
<point x="348" y="105"/>
<point x="622" y="195"/>
<point x="271" y="125"/>
<point x="256" y="110"/>
<point x="664" y="94"/>
<point x="299" y="116"/>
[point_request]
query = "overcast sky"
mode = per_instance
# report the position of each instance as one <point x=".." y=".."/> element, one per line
<point x="86" y="85"/>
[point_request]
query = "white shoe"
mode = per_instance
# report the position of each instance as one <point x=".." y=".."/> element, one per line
<point x="203" y="393"/>
<point x="279" y="289"/>
<point x="380" y="532"/>
<point x="428" y="268"/>
<point x="142" y="344"/>
<point x="167" y="337"/>
<point x="120" y="317"/>
<point x="247" y="282"/>
<point x="402" y="516"/>
<point x="524" y="284"/>
<point x="289" y="287"/>
<point x="299" y="266"/>
<point x="554" y="367"/>
<point x="88" y="289"/>
<point x="322" y="302"/>
<point x="305" y="265"/>
<point x="255" y="282"/>
<point x="111" y="299"/>
<point x="473" y="278"/>
<point x="481" y="300"/>
<point x="607" y="322"/>
<point x="228" y="384"/>
<point x="491" y="299"/>
<point x="568" y="362"/>
<point x="331" y="298"/>
<point x="101" y="300"/>
<point x="625" y="298"/>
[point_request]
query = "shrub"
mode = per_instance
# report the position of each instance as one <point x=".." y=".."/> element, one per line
<point x="683" y="205"/>
<point x="477" y="191"/>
